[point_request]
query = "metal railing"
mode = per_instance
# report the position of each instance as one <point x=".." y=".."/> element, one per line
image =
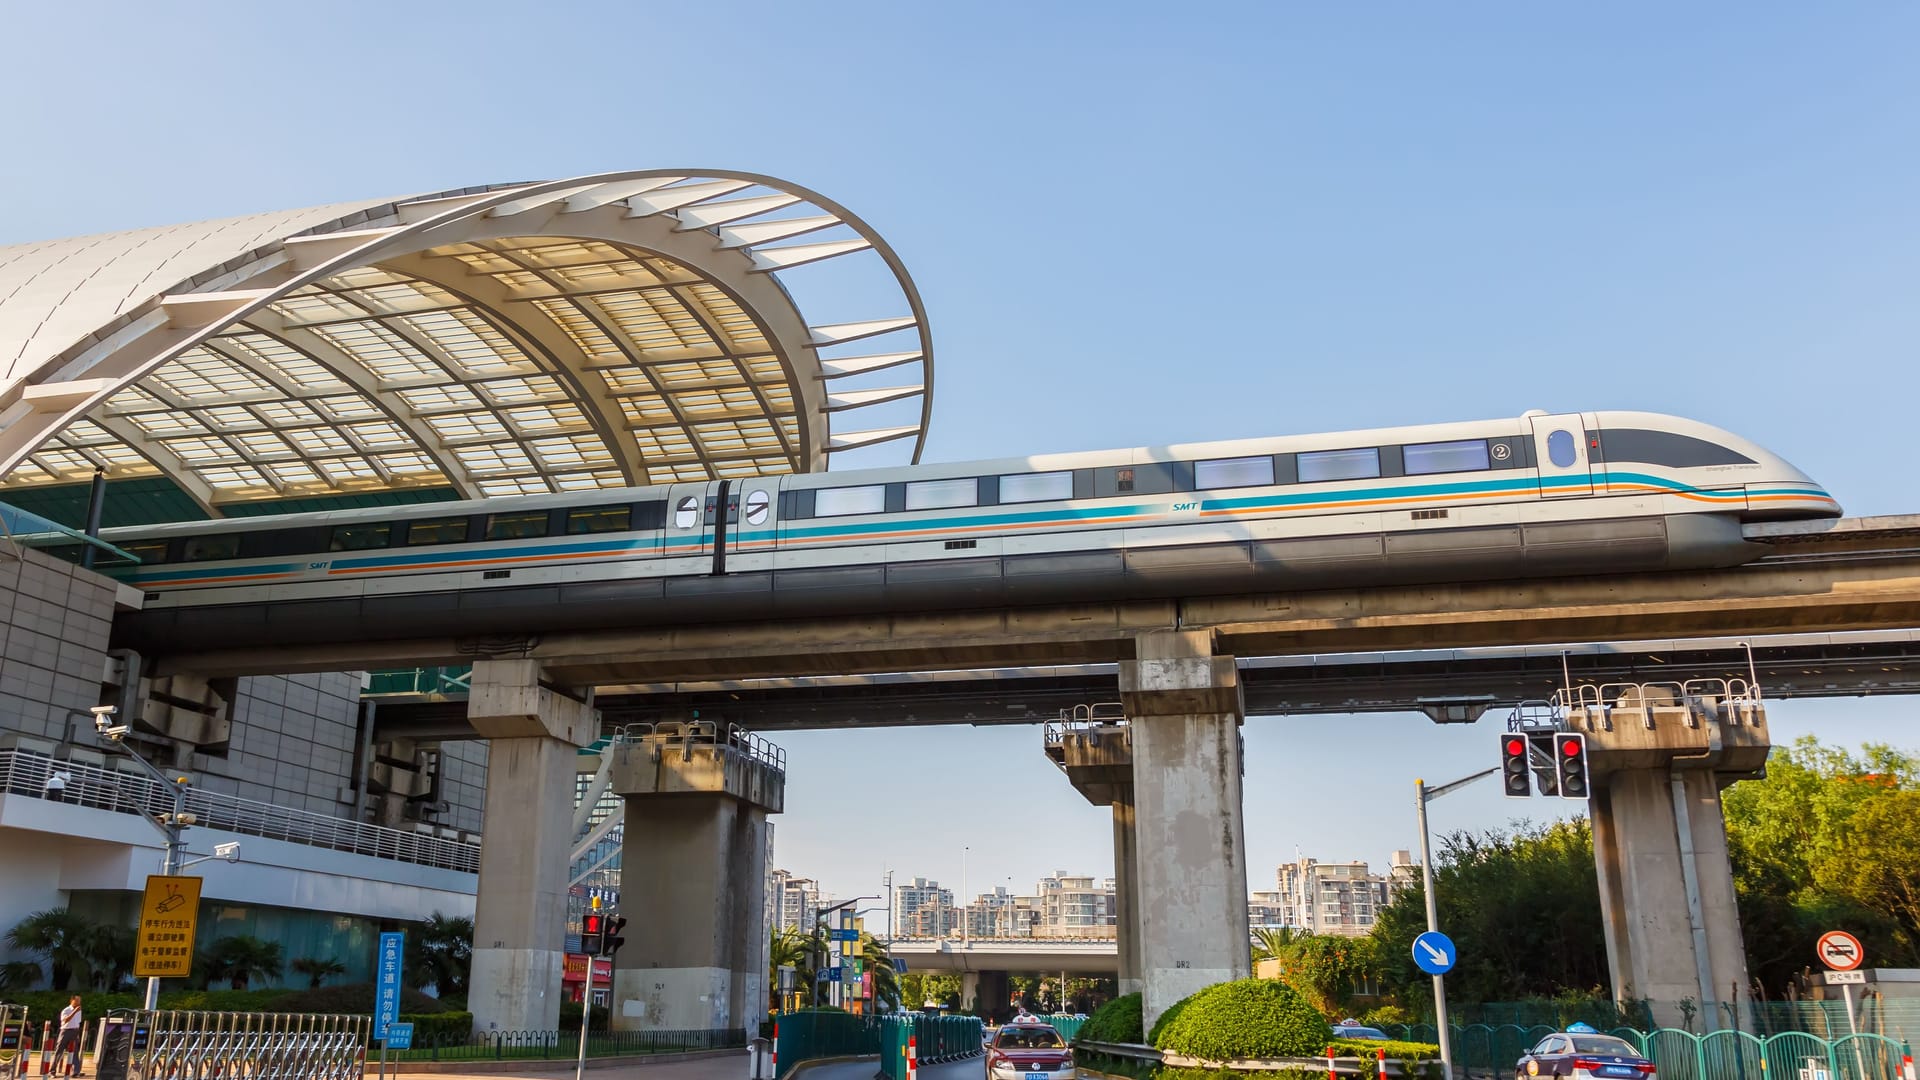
<point x="261" y="1046"/>
<point x="23" y="772"/>
<point x="1081" y="718"/>
<point x="688" y="734"/>
<point x="425" y="681"/>
<point x="562" y="1045"/>
<point x="1493" y="1050"/>
<point x="1729" y="701"/>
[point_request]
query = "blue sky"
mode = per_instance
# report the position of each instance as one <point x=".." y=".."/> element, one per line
<point x="1137" y="224"/>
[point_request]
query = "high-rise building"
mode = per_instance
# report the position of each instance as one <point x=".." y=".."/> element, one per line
<point x="796" y="900"/>
<point x="1075" y="906"/>
<point x="921" y="908"/>
<point x="1341" y="898"/>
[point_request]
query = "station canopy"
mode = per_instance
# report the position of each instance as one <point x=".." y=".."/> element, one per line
<point x="617" y="330"/>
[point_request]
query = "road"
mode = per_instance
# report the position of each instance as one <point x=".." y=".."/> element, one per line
<point x="971" y="1068"/>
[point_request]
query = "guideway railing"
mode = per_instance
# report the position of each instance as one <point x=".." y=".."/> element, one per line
<point x="1492" y="1050"/>
<point x="24" y="772"/>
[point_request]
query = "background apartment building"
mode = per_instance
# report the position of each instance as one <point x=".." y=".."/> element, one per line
<point x="1342" y="898"/>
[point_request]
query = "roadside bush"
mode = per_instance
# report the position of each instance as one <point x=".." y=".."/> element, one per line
<point x="1118" y="1021"/>
<point x="1399" y="1051"/>
<point x="1384" y="1015"/>
<point x="46" y="1004"/>
<point x="440" y="1029"/>
<point x="570" y="1016"/>
<point x="1246" y="1018"/>
<point x="356" y="999"/>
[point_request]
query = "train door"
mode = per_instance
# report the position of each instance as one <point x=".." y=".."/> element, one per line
<point x="689" y="526"/>
<point x="1560" y="451"/>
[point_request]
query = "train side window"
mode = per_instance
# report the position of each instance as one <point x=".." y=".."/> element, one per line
<point x="1233" y="472"/>
<point x="686" y="513"/>
<point x="1323" y="465"/>
<point x="936" y="494"/>
<point x="1560" y="450"/>
<point x="841" y="502"/>
<point x="1465" y="455"/>
<point x="523" y="525"/>
<point x="360" y="537"/>
<point x="207" y="548"/>
<point x="1036" y="487"/>
<point x="437" y="531"/>
<point x="597" y="519"/>
<point x="147" y="551"/>
<point x="1668" y="448"/>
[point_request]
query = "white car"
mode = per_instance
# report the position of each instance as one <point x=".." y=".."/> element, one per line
<point x="1029" y="1051"/>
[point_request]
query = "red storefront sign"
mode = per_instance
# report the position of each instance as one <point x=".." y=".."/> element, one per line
<point x="575" y="970"/>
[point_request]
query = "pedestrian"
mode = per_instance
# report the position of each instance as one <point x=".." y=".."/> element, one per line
<point x="57" y="783"/>
<point x="70" y="1023"/>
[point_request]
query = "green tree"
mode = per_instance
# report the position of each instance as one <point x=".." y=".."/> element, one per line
<point x="879" y="963"/>
<point x="59" y="937"/>
<point x="788" y="947"/>
<point x="110" y="956"/>
<point x="1881" y="869"/>
<point x="1272" y="942"/>
<point x="1329" y="971"/>
<point x="17" y="975"/>
<point x="1523" y="908"/>
<point x="241" y="959"/>
<point x="440" y="954"/>
<point x="316" y="969"/>
<point x="920" y="988"/>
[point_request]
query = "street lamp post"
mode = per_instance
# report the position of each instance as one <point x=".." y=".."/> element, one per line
<point x="964" y="852"/>
<point x="1422" y="796"/>
<point x="170" y="824"/>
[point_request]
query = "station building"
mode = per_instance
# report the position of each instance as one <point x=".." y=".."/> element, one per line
<point x="612" y="331"/>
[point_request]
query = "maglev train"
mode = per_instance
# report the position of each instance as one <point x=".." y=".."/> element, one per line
<point x="1575" y="493"/>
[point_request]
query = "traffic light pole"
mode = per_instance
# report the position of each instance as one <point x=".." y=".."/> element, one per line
<point x="1421" y="797"/>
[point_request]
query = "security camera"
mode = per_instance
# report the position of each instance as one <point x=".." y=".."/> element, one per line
<point x="228" y="851"/>
<point x="113" y="734"/>
<point x="104" y="710"/>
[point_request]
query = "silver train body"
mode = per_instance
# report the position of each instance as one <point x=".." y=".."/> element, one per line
<point x="1537" y="495"/>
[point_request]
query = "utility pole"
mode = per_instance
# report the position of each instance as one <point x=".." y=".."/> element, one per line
<point x="171" y="824"/>
<point x="1422" y="796"/>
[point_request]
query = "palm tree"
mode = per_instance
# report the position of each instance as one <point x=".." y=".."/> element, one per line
<point x="240" y="959"/>
<point x="788" y="947"/>
<point x="1274" y="942"/>
<point x="17" y="975"/>
<point x="316" y="969"/>
<point x="59" y="936"/>
<point x="110" y="954"/>
<point x="441" y="953"/>
<point x="879" y="963"/>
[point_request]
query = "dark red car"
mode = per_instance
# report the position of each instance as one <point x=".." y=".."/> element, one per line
<point x="1028" y="1052"/>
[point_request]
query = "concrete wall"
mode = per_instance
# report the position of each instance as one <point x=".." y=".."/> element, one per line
<point x="54" y="620"/>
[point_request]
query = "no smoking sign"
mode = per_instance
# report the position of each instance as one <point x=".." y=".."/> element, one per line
<point x="1840" y="950"/>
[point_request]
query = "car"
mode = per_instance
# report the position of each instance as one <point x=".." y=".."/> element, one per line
<point x="1029" y="1051"/>
<point x="1344" y="1030"/>
<point x="1584" y="1055"/>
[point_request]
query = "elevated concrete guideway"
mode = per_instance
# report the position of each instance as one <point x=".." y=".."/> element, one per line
<point x="1093" y="956"/>
<point x="1847" y="575"/>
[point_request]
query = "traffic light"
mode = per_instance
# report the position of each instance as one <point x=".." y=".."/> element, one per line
<point x="612" y="940"/>
<point x="1570" y="765"/>
<point x="1513" y="766"/>
<point x="590" y="934"/>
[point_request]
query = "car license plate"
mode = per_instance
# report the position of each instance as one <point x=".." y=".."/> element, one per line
<point x="1037" y="1076"/>
<point x="1619" y="1070"/>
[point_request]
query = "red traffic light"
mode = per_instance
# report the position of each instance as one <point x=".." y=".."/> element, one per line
<point x="1570" y="747"/>
<point x="591" y="925"/>
<point x="1516" y="747"/>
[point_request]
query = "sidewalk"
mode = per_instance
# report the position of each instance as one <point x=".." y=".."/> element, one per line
<point x="697" y="1065"/>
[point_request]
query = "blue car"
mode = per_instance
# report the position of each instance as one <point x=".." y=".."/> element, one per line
<point x="1584" y="1056"/>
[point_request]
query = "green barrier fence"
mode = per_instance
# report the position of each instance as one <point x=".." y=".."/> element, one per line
<point x="1493" y="1050"/>
<point x="936" y="1039"/>
<point x="822" y="1033"/>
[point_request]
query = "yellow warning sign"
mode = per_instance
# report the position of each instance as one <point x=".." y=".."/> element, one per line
<point x="168" y="917"/>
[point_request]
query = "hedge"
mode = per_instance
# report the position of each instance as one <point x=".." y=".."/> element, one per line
<point x="352" y="1000"/>
<point x="440" y="1029"/>
<point x="1118" y="1021"/>
<point x="1246" y="1018"/>
<point x="1399" y="1051"/>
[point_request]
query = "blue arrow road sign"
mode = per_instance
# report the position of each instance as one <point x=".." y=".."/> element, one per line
<point x="1433" y="953"/>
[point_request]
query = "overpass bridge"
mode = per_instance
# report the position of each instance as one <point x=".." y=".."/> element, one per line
<point x="1086" y="956"/>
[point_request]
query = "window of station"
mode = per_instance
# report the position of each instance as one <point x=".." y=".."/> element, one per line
<point x="1323" y="465"/>
<point x="1466" y="455"/>
<point x="599" y="519"/>
<point x="360" y="537"/>
<point x="1036" y="487"/>
<point x="1233" y="472"/>
<point x="207" y="548"/>
<point x="521" y="525"/>
<point x="437" y="531"/>
<point x="936" y="494"/>
<point x="843" y="502"/>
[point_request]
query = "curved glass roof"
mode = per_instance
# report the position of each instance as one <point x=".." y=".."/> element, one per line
<point x="613" y="331"/>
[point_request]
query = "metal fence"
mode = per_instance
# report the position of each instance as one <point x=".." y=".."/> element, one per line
<point x="1875" y="1014"/>
<point x="174" y="1045"/>
<point x="935" y="1039"/>
<point x="563" y="1045"/>
<point x="1494" y="1049"/>
<point x="23" y="772"/>
<point x="822" y="1033"/>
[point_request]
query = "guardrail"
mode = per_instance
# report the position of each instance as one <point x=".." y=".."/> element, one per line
<point x="1080" y="718"/>
<point x="563" y="1045"/>
<point x="212" y="1045"/>
<point x="1492" y="1050"/>
<point x="690" y="733"/>
<point x="24" y="772"/>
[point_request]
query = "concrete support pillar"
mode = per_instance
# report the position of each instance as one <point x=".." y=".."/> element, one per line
<point x="1184" y="709"/>
<point x="1126" y="899"/>
<point x="520" y="913"/>
<point x="986" y="992"/>
<point x="1666" y="890"/>
<point x="694" y="880"/>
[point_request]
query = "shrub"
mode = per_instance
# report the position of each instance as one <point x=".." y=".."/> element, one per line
<point x="349" y="999"/>
<point x="1246" y="1018"/>
<point x="570" y="1017"/>
<point x="1118" y="1021"/>
<point x="441" y="1028"/>
<point x="1386" y="1015"/>
<point x="1399" y="1051"/>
